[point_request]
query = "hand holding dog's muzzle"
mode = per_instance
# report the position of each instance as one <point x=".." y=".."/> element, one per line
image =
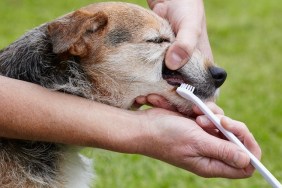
<point x="188" y="22"/>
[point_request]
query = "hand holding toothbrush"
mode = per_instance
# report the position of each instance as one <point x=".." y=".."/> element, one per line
<point x="183" y="143"/>
<point x="186" y="91"/>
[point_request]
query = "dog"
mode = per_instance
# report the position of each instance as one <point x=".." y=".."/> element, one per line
<point x="107" y="52"/>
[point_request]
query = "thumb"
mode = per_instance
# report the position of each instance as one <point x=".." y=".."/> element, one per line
<point x="188" y="34"/>
<point x="224" y="151"/>
<point x="187" y="40"/>
<point x="178" y="54"/>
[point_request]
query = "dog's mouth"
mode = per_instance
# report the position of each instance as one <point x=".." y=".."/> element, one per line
<point x="173" y="77"/>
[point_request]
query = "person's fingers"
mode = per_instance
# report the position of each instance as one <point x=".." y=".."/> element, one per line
<point x="141" y="100"/>
<point x="181" y="50"/>
<point x="178" y="55"/>
<point x="153" y="3"/>
<point x="187" y="36"/>
<point x="155" y="101"/>
<point x="203" y="44"/>
<point x="159" y="102"/>
<point x="241" y="131"/>
<point x="212" y="106"/>
<point x="188" y="29"/>
<point x="216" y="168"/>
<point x="204" y="122"/>
<point x="159" y="8"/>
<point x="223" y="150"/>
<point x="188" y="22"/>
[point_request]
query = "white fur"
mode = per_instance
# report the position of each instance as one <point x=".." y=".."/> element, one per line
<point x="77" y="170"/>
<point x="123" y="71"/>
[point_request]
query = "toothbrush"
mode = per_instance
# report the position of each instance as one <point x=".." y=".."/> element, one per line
<point x="186" y="91"/>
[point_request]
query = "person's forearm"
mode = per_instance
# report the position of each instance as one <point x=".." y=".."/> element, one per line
<point x="31" y="112"/>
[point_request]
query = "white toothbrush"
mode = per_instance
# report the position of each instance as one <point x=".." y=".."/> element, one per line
<point x="186" y="91"/>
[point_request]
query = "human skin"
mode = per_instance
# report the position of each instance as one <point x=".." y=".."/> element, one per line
<point x="31" y="112"/>
<point x="188" y="21"/>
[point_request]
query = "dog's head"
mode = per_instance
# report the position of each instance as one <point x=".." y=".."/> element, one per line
<point x="122" y="47"/>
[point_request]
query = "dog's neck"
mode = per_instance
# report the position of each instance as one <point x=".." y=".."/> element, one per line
<point x="31" y="59"/>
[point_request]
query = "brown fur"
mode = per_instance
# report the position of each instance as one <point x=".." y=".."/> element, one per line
<point x="107" y="52"/>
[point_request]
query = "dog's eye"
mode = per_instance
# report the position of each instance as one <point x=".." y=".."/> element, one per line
<point x="158" y="40"/>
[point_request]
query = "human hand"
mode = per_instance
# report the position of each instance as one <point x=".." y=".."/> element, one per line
<point x="187" y="18"/>
<point x="195" y="147"/>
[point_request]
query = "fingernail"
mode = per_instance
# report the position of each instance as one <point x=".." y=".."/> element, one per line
<point x="173" y="61"/>
<point x="176" y="57"/>
<point x="227" y="122"/>
<point x="204" y="120"/>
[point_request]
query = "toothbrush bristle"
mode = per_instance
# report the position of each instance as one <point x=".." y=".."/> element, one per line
<point x="188" y="87"/>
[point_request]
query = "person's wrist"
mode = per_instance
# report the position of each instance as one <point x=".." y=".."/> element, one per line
<point x="130" y="132"/>
<point x="141" y="133"/>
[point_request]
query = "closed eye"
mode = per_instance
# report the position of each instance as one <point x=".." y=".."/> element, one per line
<point x="158" y="40"/>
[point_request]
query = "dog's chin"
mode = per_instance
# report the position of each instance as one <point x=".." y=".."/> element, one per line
<point x="172" y="102"/>
<point x="181" y="105"/>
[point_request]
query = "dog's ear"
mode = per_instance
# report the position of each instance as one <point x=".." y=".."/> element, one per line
<point x="66" y="34"/>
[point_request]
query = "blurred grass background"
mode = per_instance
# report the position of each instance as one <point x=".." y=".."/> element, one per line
<point x="246" y="39"/>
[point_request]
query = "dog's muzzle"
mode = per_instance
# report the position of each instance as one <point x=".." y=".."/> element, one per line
<point x="205" y="87"/>
<point x="173" y="77"/>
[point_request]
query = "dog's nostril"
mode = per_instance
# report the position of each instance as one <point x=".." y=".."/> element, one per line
<point x="219" y="75"/>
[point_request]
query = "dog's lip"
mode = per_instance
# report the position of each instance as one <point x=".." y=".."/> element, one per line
<point x="173" y="77"/>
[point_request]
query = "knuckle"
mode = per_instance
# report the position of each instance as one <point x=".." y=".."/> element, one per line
<point x="225" y="152"/>
<point x="242" y="125"/>
<point x="198" y="31"/>
<point x="258" y="151"/>
<point x="195" y="27"/>
<point x="186" y="45"/>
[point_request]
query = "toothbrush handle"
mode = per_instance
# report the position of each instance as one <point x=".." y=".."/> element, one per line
<point x="254" y="161"/>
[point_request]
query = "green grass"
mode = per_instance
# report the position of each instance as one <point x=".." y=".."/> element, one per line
<point x="246" y="40"/>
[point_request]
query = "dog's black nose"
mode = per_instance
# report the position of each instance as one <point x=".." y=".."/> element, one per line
<point x="219" y="75"/>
